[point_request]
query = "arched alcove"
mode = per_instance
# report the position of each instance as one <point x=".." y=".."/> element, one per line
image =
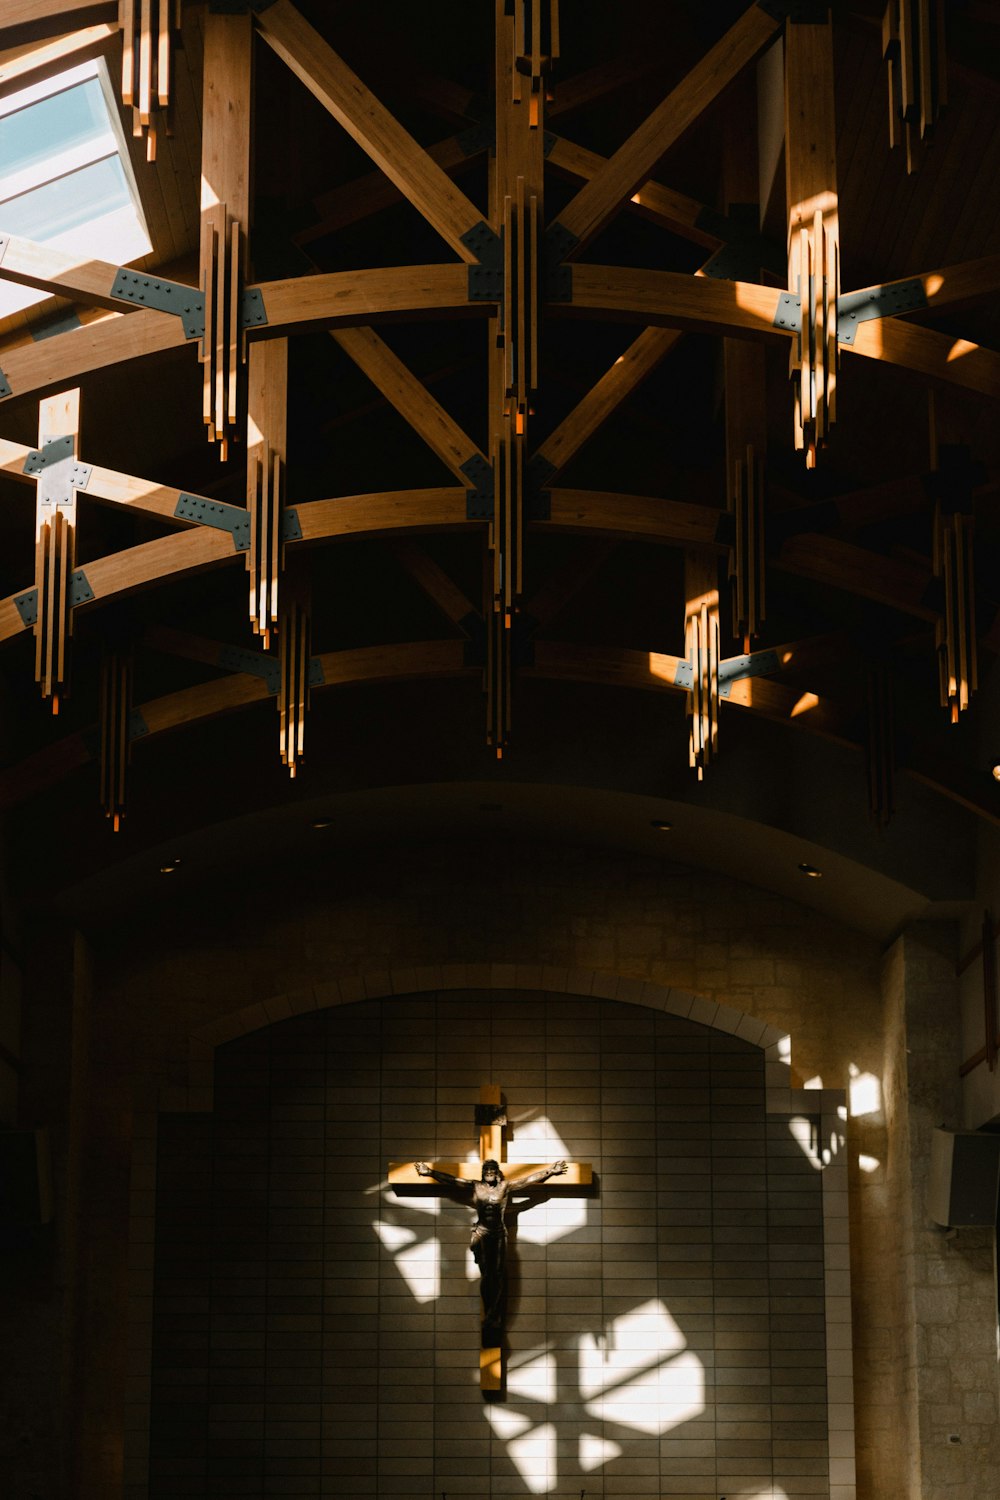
<point x="688" y="1324"/>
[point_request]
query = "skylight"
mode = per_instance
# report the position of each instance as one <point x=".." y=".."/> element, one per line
<point x="65" y="177"/>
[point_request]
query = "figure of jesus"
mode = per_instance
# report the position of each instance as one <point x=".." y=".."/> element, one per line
<point x="488" y="1240"/>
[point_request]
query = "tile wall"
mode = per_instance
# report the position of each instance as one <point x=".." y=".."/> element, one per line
<point x="313" y="1335"/>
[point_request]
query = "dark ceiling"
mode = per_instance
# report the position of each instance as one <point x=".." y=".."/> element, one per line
<point x="201" y="785"/>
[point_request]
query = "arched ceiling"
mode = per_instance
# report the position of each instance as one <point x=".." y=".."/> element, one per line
<point x="392" y="408"/>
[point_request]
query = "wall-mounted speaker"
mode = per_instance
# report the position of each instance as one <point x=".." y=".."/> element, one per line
<point x="965" y="1178"/>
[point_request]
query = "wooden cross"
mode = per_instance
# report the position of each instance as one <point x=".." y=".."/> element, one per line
<point x="491" y="1119"/>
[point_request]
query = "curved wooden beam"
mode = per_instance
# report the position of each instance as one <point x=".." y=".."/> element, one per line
<point x="560" y="661"/>
<point x="742" y="309"/>
<point x="108" y="340"/>
<point x="344" y="297"/>
<point x="902" y="585"/>
<point x="202" y="547"/>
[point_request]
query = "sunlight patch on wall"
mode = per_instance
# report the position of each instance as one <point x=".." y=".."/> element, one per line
<point x="536" y="1379"/>
<point x="595" y="1451"/>
<point x="417" y="1261"/>
<point x="535" y="1457"/>
<point x="538" y="1140"/>
<point x="865" y="1092"/>
<point x="624" y="1377"/>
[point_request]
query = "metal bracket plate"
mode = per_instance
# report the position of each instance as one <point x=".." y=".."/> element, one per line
<point x="185" y="302"/>
<point x="253" y="313"/>
<point x="53" y="451"/>
<point x="745" y="252"/>
<point x="479" y="500"/>
<point x="291" y="526"/>
<point x="486" y="276"/>
<point x="559" y="241"/>
<point x="485" y="244"/>
<point x="5" y="386"/>
<point x="137" y="726"/>
<point x="481" y="137"/>
<point x="26" y="605"/>
<point x="255" y="663"/>
<point x="315" y="676"/>
<point x="485" y="284"/>
<point x="735" y="668"/>
<point x="858" y="307"/>
<point x="57" y="453"/>
<point x="79" y="591"/>
<point x="877" y="302"/>
<point x="789" y="312"/>
<point x="214" y="513"/>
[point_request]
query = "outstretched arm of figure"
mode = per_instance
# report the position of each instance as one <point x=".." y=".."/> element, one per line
<point x="445" y="1178"/>
<point x="556" y="1169"/>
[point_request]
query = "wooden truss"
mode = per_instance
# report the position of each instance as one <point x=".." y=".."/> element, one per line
<point x="511" y="269"/>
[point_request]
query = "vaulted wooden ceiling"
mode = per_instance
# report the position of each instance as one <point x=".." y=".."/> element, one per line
<point x="496" y="373"/>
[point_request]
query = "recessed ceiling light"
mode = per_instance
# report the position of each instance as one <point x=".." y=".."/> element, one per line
<point x="996" y="771"/>
<point x="811" y="871"/>
<point x="170" y="867"/>
<point x="660" y="824"/>
<point x="322" y="823"/>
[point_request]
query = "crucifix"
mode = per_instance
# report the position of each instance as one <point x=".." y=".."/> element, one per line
<point x="491" y="1188"/>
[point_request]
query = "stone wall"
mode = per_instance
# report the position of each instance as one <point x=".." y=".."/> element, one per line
<point x="947" y="1361"/>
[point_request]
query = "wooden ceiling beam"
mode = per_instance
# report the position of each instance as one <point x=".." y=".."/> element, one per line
<point x="370" y="124"/>
<point x="34" y="61"/>
<point x="563" y="661"/>
<point x="65" y="275"/>
<point x="925" y="351"/>
<point x="410" y="397"/>
<point x="565" y="582"/>
<point x="610" y="77"/>
<point x="747" y="310"/>
<point x="28" y="21"/>
<point x="615" y="386"/>
<point x="903" y="496"/>
<point x="653" y="200"/>
<point x="108" y="485"/>
<point x="359" y="199"/>
<point x="636" y="518"/>
<point x="899" y="583"/>
<point x="404" y="661"/>
<point x="366" y="296"/>
<point x="634" y="162"/>
<point x="437" y="585"/>
<point x="675" y="299"/>
<point x="342" y="296"/>
<point x="135" y="568"/>
<point x="109" y="340"/>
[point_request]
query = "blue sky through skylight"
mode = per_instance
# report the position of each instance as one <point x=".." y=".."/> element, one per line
<point x="65" y="177"/>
